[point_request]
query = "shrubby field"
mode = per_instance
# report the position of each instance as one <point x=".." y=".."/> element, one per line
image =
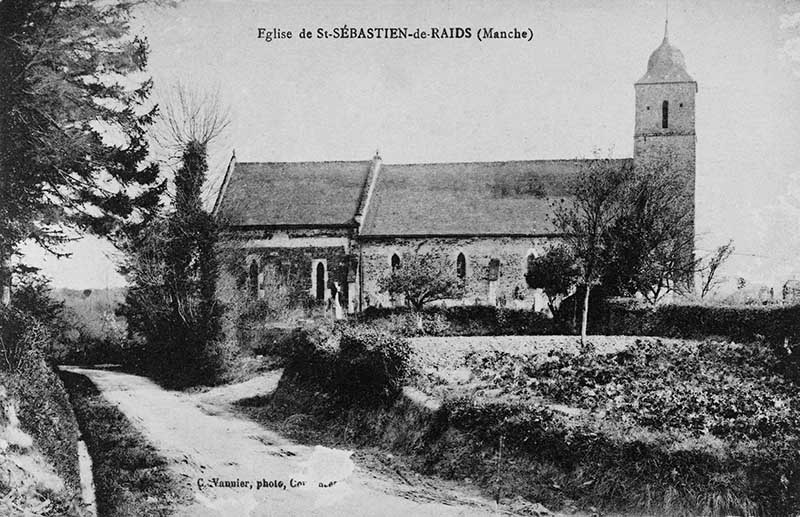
<point x="661" y="426"/>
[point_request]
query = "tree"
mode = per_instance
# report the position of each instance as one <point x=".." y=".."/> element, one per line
<point x="584" y="222"/>
<point x="709" y="268"/>
<point x="72" y="121"/>
<point x="650" y="247"/>
<point x="423" y="278"/>
<point x="555" y="272"/>
<point x="172" y="265"/>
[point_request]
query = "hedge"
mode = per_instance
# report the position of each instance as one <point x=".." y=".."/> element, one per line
<point x="462" y="320"/>
<point x="354" y="362"/>
<point x="775" y="324"/>
<point x="44" y="408"/>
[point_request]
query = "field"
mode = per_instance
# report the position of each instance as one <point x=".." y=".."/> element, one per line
<point x="664" y="425"/>
<point x="442" y="363"/>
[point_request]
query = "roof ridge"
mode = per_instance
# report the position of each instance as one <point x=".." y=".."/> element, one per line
<point x="304" y="162"/>
<point x="572" y="160"/>
<point x="435" y="163"/>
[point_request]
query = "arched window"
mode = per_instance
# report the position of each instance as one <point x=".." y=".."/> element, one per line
<point x="665" y="114"/>
<point x="530" y="258"/>
<point x="461" y="266"/>
<point x="395" y="262"/>
<point x="319" y="293"/>
<point x="252" y="278"/>
<point x="494" y="269"/>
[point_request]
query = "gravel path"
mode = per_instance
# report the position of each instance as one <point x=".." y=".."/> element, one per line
<point x="204" y="440"/>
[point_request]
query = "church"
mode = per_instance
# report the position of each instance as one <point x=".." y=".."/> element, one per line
<point x="330" y="230"/>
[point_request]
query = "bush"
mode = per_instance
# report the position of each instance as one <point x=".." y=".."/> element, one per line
<point x="748" y="323"/>
<point x="464" y="320"/>
<point x="372" y="364"/>
<point x="44" y="409"/>
<point x="352" y="362"/>
<point x="45" y="412"/>
<point x="19" y="332"/>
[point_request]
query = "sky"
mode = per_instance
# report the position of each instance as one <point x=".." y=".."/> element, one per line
<point x="563" y="94"/>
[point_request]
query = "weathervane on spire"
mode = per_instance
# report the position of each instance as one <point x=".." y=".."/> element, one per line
<point x="666" y="20"/>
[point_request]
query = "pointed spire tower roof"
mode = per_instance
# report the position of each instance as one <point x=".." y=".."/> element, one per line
<point x="666" y="64"/>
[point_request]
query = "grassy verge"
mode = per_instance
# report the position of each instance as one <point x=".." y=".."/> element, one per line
<point x="45" y="412"/>
<point x="131" y="478"/>
<point x="38" y="478"/>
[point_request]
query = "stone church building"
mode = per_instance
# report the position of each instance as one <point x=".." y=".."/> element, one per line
<point x="332" y="229"/>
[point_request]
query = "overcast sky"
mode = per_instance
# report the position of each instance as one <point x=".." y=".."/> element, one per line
<point x="562" y="95"/>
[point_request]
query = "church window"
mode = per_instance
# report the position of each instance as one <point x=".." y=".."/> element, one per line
<point x="665" y="114"/>
<point x="461" y="266"/>
<point x="395" y="262"/>
<point x="252" y="278"/>
<point x="494" y="269"/>
<point x="319" y="291"/>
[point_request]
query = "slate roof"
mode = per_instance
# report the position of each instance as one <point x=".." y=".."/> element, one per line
<point x="292" y="194"/>
<point x="431" y="199"/>
<point x="483" y="198"/>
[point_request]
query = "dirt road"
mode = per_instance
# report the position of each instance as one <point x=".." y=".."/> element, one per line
<point x="237" y="468"/>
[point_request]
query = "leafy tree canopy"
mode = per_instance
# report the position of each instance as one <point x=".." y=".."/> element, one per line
<point x="555" y="272"/>
<point x="423" y="278"/>
<point x="72" y="120"/>
<point x="649" y="249"/>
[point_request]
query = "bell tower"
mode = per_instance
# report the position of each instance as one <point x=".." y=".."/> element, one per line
<point x="664" y="136"/>
<point x="665" y="122"/>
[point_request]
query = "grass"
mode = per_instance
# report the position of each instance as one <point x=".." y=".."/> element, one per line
<point x="673" y="427"/>
<point x="131" y="478"/>
<point x="666" y="427"/>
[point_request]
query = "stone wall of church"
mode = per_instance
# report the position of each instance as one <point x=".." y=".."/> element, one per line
<point x="510" y="288"/>
<point x="681" y="108"/>
<point x="289" y="258"/>
<point x="680" y="150"/>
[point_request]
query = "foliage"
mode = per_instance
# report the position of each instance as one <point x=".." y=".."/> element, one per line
<point x="650" y="247"/>
<point x="423" y="278"/>
<point x="778" y="325"/>
<point x="172" y="270"/>
<point x="372" y="364"/>
<point x="171" y="262"/>
<point x="466" y="320"/>
<point x="726" y="390"/>
<point x="72" y="119"/>
<point x="557" y="459"/>
<point x="515" y="443"/>
<point x="555" y="272"/>
<point x="35" y="321"/>
<point x="355" y="363"/>
<point x="595" y="208"/>
<point x="720" y="417"/>
<point x="95" y="333"/>
<point x="38" y="400"/>
<point x="45" y="412"/>
<point x="30" y="330"/>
